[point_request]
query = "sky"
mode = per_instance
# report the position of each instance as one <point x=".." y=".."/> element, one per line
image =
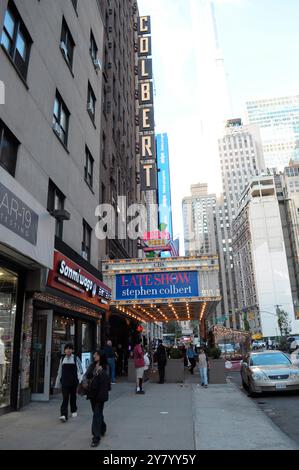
<point x="259" y="45"/>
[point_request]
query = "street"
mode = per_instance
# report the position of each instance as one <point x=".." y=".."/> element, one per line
<point x="281" y="407"/>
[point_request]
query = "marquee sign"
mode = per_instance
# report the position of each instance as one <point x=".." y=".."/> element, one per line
<point x="162" y="285"/>
<point x="146" y="118"/>
<point x="69" y="277"/>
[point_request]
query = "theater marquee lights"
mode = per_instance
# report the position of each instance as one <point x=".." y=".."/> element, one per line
<point x="146" y="118"/>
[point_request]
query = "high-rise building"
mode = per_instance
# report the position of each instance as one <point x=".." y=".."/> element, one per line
<point x="51" y="57"/>
<point x="241" y="158"/>
<point x="211" y="91"/>
<point x="261" y="260"/>
<point x="198" y="218"/>
<point x="287" y="189"/>
<point x="118" y="128"/>
<point x="278" y="119"/>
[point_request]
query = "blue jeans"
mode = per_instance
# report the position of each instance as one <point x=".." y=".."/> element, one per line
<point x="111" y="364"/>
<point x="203" y="371"/>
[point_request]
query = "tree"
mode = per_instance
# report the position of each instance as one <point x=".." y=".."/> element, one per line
<point x="246" y="323"/>
<point x="283" y="322"/>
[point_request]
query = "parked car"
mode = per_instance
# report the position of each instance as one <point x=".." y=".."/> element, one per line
<point x="258" y="344"/>
<point x="226" y="348"/>
<point x="267" y="371"/>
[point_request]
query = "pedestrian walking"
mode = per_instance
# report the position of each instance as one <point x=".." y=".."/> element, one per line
<point x="110" y="356"/>
<point x="203" y="364"/>
<point x="98" y="394"/>
<point x="160" y="357"/>
<point x="191" y="356"/>
<point x="70" y="373"/>
<point x="139" y="364"/>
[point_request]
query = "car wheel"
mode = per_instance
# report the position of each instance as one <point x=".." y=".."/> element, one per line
<point x="251" y="393"/>
<point x="244" y="384"/>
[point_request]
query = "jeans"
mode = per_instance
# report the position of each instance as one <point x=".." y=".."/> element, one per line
<point x="69" y="393"/>
<point x="161" y="369"/>
<point x="203" y="371"/>
<point x="111" y="364"/>
<point x="98" y="427"/>
<point x="192" y="364"/>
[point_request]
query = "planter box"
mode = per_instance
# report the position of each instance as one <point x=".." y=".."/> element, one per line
<point x="217" y="371"/>
<point x="174" y="371"/>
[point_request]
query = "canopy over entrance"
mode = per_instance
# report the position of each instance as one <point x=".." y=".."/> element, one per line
<point x="164" y="289"/>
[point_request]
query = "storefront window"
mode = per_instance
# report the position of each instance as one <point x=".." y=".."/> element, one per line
<point x="8" y="294"/>
<point x="63" y="332"/>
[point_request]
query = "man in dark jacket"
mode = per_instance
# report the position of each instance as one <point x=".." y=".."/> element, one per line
<point x="160" y="357"/>
<point x="98" y="394"/>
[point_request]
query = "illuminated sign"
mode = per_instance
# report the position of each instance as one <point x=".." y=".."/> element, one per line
<point x="146" y="118"/>
<point x="164" y="194"/>
<point x="70" y="278"/>
<point x="169" y="285"/>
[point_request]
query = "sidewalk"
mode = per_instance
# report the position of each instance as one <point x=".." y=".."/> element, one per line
<point x="167" y="417"/>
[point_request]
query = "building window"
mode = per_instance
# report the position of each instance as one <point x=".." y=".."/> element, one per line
<point x="103" y="150"/>
<point x="93" y="48"/>
<point x="16" y="39"/>
<point x="56" y="201"/>
<point x="8" y="301"/>
<point x="91" y="103"/>
<point x="67" y="44"/>
<point x="86" y="243"/>
<point x="8" y="149"/>
<point x="88" y="170"/>
<point x="61" y="118"/>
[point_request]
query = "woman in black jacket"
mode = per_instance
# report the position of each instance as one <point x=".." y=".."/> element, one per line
<point x="98" y="394"/>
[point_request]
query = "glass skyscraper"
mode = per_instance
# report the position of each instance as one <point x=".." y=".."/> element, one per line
<point x="278" y="119"/>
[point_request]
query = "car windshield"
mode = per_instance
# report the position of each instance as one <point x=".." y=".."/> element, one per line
<point x="268" y="359"/>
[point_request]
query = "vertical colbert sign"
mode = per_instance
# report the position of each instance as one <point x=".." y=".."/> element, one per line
<point x="146" y="118"/>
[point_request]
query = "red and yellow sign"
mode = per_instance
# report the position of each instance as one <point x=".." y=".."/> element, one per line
<point x="70" y="278"/>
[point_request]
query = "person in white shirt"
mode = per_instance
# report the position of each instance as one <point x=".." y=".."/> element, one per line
<point x="69" y="376"/>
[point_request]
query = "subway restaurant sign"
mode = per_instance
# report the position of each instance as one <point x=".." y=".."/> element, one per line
<point x="162" y="285"/>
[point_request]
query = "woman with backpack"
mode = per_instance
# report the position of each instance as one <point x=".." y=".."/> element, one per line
<point x="98" y="393"/>
<point x="70" y="373"/>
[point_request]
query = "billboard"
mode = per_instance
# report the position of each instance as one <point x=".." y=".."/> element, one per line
<point x="164" y="192"/>
<point x="157" y="285"/>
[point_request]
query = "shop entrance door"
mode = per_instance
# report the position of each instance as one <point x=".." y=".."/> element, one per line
<point x="41" y="354"/>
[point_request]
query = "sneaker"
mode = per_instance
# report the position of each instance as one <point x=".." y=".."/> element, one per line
<point x="63" y="419"/>
<point x="74" y="415"/>
<point x="113" y="383"/>
<point x="202" y="385"/>
<point x="141" y="392"/>
<point x="206" y="386"/>
<point x="94" y="443"/>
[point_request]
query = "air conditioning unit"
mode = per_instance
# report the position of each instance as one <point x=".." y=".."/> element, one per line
<point x="97" y="64"/>
<point x="110" y="45"/>
<point x="63" y="49"/>
<point x="109" y="65"/>
<point x="90" y="107"/>
<point x="110" y="29"/>
<point x="57" y="128"/>
<point x="110" y="11"/>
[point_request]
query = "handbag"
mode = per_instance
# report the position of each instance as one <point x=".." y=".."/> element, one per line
<point x="146" y="360"/>
<point x="84" y="385"/>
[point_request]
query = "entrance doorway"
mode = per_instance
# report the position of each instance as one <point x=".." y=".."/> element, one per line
<point x="41" y="354"/>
